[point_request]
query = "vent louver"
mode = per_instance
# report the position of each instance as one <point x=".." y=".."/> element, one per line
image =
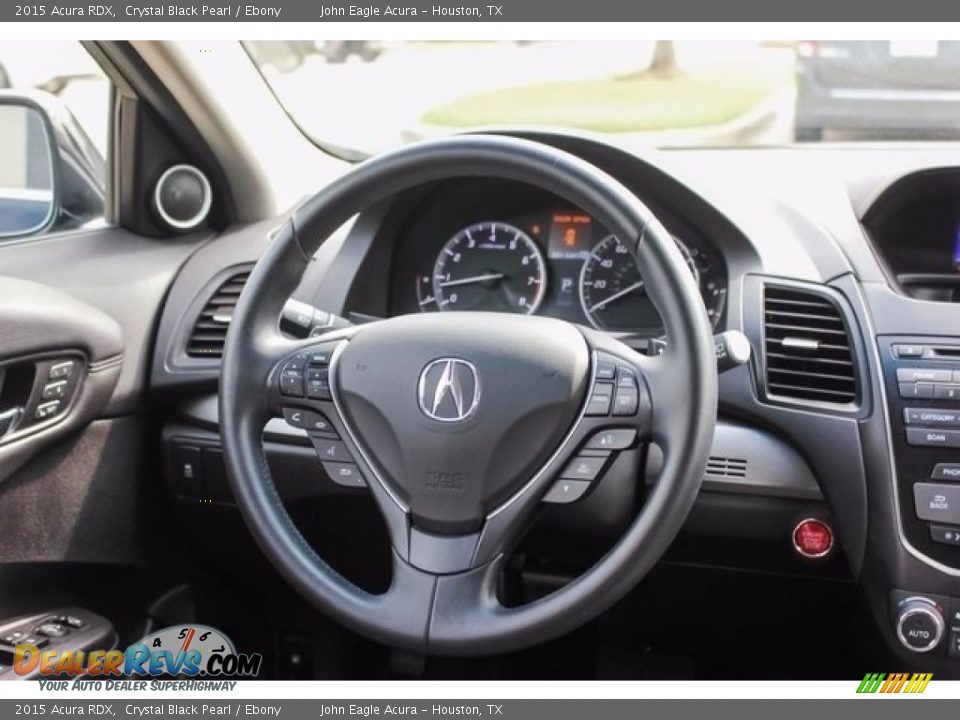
<point x="808" y="348"/>
<point x="726" y="467"/>
<point x="210" y="330"/>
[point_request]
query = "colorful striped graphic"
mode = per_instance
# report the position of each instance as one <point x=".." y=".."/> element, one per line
<point x="894" y="682"/>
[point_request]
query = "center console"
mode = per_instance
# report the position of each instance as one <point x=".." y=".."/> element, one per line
<point x="922" y="380"/>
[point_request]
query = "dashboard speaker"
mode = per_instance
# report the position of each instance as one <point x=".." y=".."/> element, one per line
<point x="181" y="198"/>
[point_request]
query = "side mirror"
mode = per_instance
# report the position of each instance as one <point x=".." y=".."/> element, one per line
<point x="28" y="168"/>
<point x="51" y="175"/>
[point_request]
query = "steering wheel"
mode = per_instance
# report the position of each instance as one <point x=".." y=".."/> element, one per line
<point x="461" y="423"/>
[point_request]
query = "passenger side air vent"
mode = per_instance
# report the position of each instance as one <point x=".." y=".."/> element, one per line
<point x="807" y="348"/>
<point x="725" y="467"/>
<point x="210" y="330"/>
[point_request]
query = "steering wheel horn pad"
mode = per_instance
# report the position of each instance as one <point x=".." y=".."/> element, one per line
<point x="460" y="410"/>
<point x="462" y="422"/>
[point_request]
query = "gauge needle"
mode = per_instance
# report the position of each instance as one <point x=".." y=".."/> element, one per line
<point x="617" y="296"/>
<point x="472" y="279"/>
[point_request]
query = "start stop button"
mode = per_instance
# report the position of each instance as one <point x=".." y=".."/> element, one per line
<point x="812" y="538"/>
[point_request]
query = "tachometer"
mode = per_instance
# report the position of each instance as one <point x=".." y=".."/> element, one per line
<point x="612" y="291"/>
<point x="490" y="266"/>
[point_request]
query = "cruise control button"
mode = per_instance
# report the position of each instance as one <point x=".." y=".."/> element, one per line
<point x="928" y="375"/>
<point x="566" y="491"/>
<point x="946" y="471"/>
<point x="600" y="399"/>
<point x="331" y="450"/>
<point x="933" y="438"/>
<point x="346" y="474"/>
<point x="626" y="378"/>
<point x="297" y="362"/>
<point x="308" y="420"/>
<point x="916" y="391"/>
<point x="606" y="370"/>
<point x="937" y="502"/>
<point x="615" y="439"/>
<point x="583" y="468"/>
<point x="931" y="416"/>
<point x="626" y="401"/>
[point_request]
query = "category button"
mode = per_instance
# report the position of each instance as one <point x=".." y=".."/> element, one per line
<point x="931" y="416"/>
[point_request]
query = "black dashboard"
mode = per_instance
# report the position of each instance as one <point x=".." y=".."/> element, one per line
<point x="811" y="265"/>
<point x="502" y="246"/>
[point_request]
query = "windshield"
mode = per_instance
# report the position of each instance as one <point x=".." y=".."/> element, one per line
<point x="367" y="95"/>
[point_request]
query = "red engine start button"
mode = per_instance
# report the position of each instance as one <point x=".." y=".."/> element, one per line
<point x="813" y="538"/>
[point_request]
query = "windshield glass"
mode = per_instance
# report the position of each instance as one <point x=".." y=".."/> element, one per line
<point x="369" y="95"/>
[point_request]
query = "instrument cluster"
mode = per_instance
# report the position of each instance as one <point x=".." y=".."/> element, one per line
<point x="550" y="259"/>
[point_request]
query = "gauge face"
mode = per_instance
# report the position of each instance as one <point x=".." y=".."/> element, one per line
<point x="490" y="266"/>
<point x="612" y="290"/>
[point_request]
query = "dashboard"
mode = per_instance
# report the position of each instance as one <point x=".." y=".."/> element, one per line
<point x="506" y="247"/>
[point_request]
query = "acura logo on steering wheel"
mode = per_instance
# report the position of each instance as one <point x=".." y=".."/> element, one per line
<point x="449" y="390"/>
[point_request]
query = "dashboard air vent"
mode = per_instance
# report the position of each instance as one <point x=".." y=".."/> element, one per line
<point x="210" y="330"/>
<point x="725" y="467"/>
<point x="808" y="349"/>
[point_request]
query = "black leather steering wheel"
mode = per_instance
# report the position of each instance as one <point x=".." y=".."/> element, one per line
<point x="460" y="423"/>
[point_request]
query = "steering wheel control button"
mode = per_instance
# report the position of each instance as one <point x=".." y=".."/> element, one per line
<point x="346" y="474"/>
<point x="920" y="626"/>
<point x="616" y="439"/>
<point x="925" y="437"/>
<point x="813" y="539"/>
<point x="320" y="357"/>
<point x="606" y="370"/>
<point x="626" y="378"/>
<point x="600" y="400"/>
<point x="626" y="402"/>
<point x="318" y="383"/>
<point x="916" y="391"/>
<point x="291" y="378"/>
<point x="931" y="416"/>
<point x="566" y="491"/>
<point x="309" y="420"/>
<point x="937" y="502"/>
<point x="331" y="450"/>
<point x="584" y="467"/>
<point x="946" y="471"/>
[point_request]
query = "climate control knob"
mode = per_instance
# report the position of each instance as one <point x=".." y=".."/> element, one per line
<point x="920" y="625"/>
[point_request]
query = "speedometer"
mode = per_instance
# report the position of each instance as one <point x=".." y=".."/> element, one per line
<point x="611" y="288"/>
<point x="490" y="266"/>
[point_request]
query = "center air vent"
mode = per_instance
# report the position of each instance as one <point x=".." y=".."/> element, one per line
<point x="210" y="330"/>
<point x="807" y="347"/>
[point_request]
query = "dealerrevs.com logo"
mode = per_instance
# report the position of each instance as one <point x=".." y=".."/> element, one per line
<point x="183" y="650"/>
<point x="894" y="683"/>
